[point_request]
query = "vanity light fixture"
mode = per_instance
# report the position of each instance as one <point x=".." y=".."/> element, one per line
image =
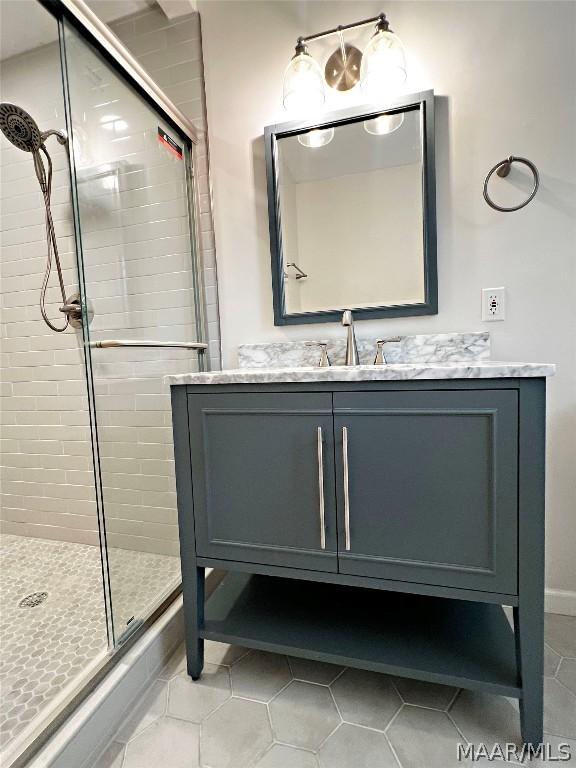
<point x="384" y="124"/>
<point x="381" y="69"/>
<point x="317" y="137"/>
<point x="303" y="81"/>
<point x="384" y="62"/>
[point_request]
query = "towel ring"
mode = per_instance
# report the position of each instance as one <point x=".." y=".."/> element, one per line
<point x="503" y="169"/>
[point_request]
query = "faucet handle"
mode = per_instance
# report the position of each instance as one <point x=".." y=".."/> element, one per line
<point x="324" y="361"/>
<point x="380" y="358"/>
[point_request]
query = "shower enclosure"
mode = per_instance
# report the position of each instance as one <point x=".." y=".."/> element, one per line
<point x="88" y="527"/>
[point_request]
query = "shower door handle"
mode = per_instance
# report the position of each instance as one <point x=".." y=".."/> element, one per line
<point x="110" y="343"/>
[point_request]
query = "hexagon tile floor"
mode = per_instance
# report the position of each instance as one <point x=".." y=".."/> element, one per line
<point x="47" y="643"/>
<point x="260" y="710"/>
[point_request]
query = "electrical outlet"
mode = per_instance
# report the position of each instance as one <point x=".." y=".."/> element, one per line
<point x="493" y="304"/>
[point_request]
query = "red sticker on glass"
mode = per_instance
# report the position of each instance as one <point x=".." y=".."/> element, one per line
<point x="169" y="142"/>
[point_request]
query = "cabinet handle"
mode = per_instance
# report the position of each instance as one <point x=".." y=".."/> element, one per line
<point x="346" y="493"/>
<point x="321" y="489"/>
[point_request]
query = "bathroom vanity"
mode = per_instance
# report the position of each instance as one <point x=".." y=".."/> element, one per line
<point x="377" y="517"/>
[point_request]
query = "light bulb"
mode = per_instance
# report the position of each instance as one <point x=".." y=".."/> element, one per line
<point x="317" y="137"/>
<point x="383" y="68"/>
<point x="384" y="124"/>
<point x="303" y="82"/>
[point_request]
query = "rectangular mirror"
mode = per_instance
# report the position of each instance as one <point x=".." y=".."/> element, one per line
<point x="351" y="204"/>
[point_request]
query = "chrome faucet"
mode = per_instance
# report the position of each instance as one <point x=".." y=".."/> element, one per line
<point x="351" y="347"/>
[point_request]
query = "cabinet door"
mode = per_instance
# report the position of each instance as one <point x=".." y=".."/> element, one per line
<point x="427" y="486"/>
<point x="263" y="478"/>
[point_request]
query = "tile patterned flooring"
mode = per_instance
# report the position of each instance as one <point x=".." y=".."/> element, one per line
<point x="44" y="649"/>
<point x="259" y="710"/>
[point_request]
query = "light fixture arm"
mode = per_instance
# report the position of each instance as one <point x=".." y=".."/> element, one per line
<point x="380" y="20"/>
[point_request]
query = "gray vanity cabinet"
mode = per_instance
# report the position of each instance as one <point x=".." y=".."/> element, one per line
<point x="373" y="524"/>
<point x="412" y="486"/>
<point x="263" y="476"/>
<point x="427" y="486"/>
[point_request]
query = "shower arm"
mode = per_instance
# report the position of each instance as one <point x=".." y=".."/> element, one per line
<point x="61" y="136"/>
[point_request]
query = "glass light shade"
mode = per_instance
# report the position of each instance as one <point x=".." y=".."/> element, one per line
<point x="383" y="68"/>
<point x="303" y="84"/>
<point x="384" y="124"/>
<point x="317" y="137"/>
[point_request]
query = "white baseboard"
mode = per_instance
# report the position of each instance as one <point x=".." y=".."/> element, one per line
<point x="560" y="601"/>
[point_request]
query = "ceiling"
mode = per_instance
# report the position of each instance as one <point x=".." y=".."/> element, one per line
<point x="25" y="25"/>
<point x="110" y="10"/>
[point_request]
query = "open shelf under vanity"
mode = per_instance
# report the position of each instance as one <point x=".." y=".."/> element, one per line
<point x="455" y="642"/>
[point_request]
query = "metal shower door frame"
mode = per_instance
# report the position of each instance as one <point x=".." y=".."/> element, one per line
<point x="96" y="34"/>
<point x="76" y="14"/>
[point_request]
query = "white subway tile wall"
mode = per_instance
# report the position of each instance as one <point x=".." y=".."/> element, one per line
<point x="138" y="277"/>
<point x="171" y="53"/>
<point x="137" y="256"/>
<point x="46" y="472"/>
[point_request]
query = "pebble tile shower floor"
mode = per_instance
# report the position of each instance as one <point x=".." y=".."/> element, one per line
<point x="259" y="710"/>
<point x="44" y="647"/>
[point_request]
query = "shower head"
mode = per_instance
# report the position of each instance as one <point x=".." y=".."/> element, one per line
<point x="19" y="128"/>
<point x="22" y="131"/>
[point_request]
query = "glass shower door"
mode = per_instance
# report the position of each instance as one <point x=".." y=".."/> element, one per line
<point x="132" y="202"/>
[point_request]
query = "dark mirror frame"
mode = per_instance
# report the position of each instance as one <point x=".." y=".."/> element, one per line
<point x="424" y="101"/>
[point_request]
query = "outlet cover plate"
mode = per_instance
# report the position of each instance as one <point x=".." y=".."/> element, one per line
<point x="493" y="304"/>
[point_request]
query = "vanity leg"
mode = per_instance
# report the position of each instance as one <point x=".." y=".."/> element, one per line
<point x="529" y="615"/>
<point x="529" y="631"/>
<point x="193" y="620"/>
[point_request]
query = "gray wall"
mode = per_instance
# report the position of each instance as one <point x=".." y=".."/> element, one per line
<point x="505" y="71"/>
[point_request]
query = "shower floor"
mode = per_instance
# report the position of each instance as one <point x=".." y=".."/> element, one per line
<point x="47" y="644"/>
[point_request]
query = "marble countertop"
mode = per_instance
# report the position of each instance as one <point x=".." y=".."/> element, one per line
<point x="421" y="348"/>
<point x="482" y="369"/>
